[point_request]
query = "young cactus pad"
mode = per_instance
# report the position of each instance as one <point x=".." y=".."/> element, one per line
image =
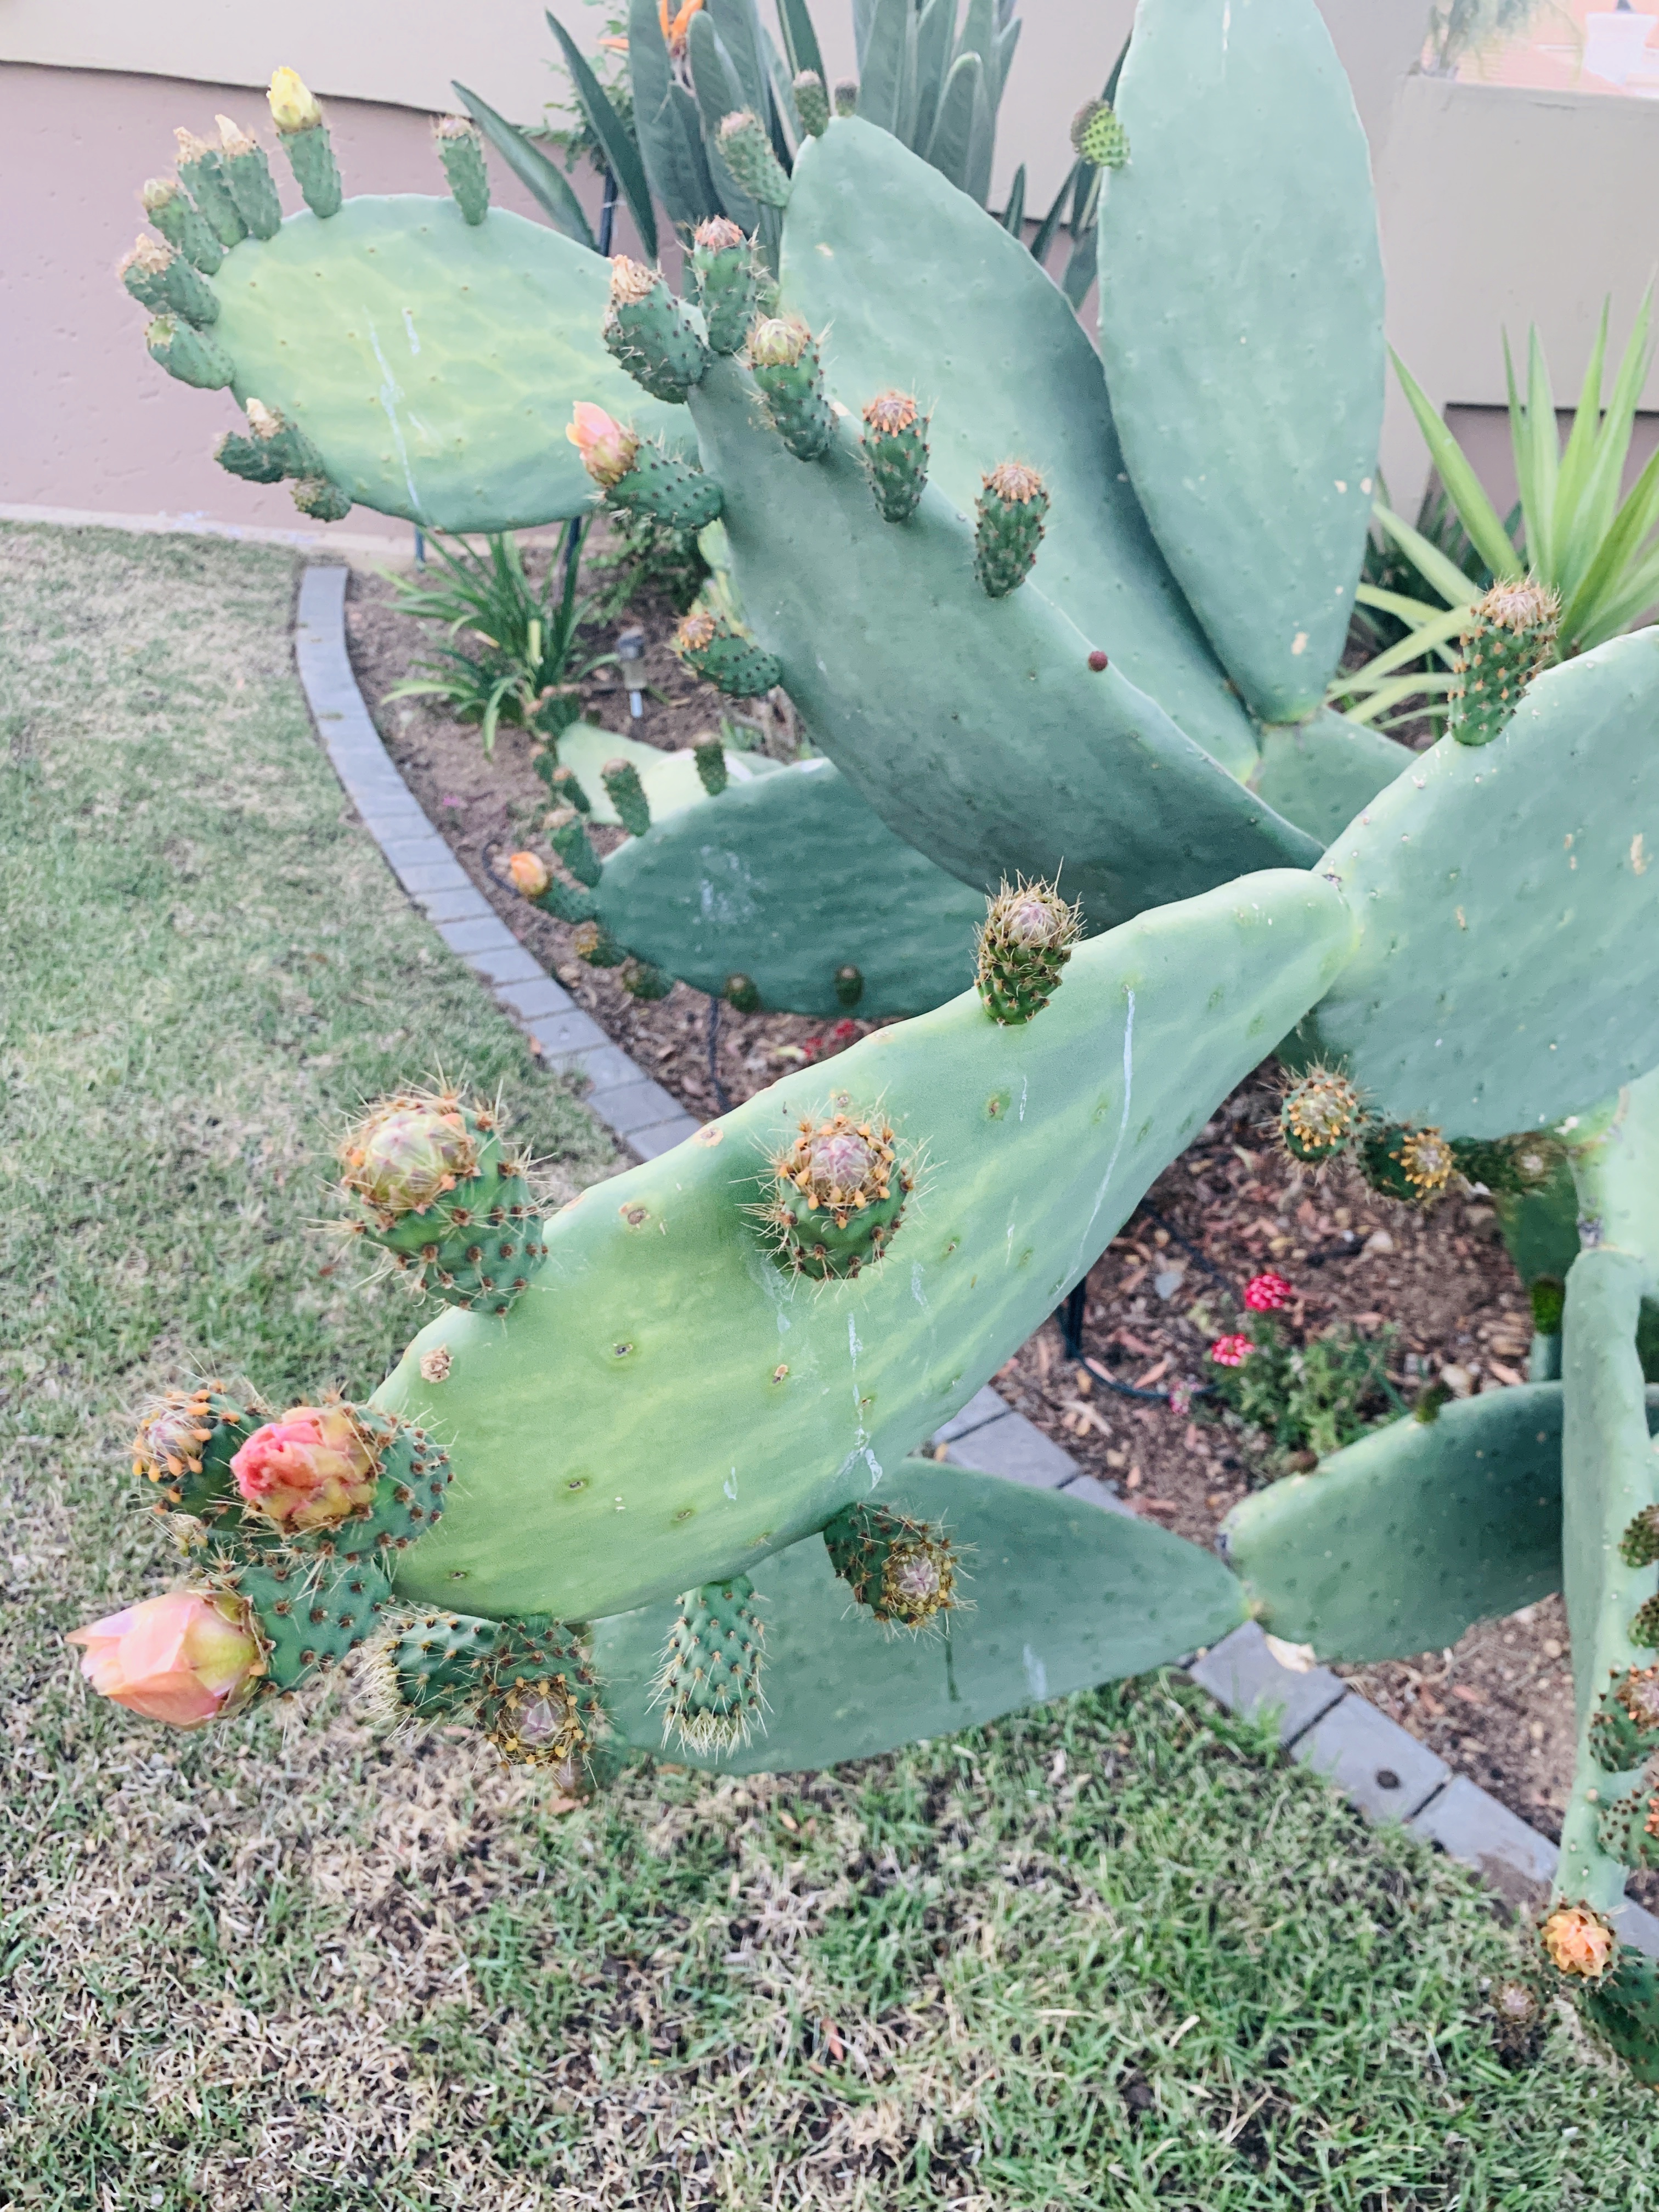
<point x="709" y="1680"/>
<point x="1038" y="1143"/>
<point x="1064" y="1596"/>
<point x="1250" y="417"/>
<point x="397" y="334"/>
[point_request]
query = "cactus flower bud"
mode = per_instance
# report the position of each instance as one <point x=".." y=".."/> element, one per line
<point x="407" y="1152"/>
<point x="292" y="108"/>
<point x="1579" y="1941"/>
<point x="1231" y="1351"/>
<point x="1266" y="1292"/>
<point x="607" y="449"/>
<point x="631" y="281"/>
<point x="529" y="873"/>
<point x="307" y="1470"/>
<point x="778" y="341"/>
<point x="184" y="1658"/>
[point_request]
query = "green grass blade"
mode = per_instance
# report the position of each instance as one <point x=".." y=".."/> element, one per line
<point x="540" y="178"/>
<point x="1388" y="696"/>
<point x="1013" y="215"/>
<point x="1411" y="648"/>
<point x="800" y="40"/>
<point x="613" y="135"/>
<point x="1416" y="612"/>
<point x="1475" y="511"/>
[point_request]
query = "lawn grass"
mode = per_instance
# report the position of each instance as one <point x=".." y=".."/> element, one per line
<point x="1114" y="1953"/>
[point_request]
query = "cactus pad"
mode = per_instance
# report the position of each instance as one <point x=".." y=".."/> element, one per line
<point x="1022" y="947"/>
<point x="460" y="149"/>
<point x="189" y="354"/>
<point x="1510" y="638"/>
<point x="1623" y="2009"/>
<point x="315" y="169"/>
<point x="201" y="172"/>
<point x="747" y="152"/>
<point x="714" y="647"/>
<point x="668" y="489"/>
<point x="708" y="1683"/>
<point x="310" y="1613"/>
<point x="626" y="793"/>
<point x="185" y="228"/>
<point x="901" y="1570"/>
<point x="427" y="1180"/>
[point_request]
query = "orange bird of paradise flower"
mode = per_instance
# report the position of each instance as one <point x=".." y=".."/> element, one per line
<point x="675" y="27"/>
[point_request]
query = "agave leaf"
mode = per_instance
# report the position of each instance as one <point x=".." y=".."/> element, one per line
<point x="1463" y="487"/>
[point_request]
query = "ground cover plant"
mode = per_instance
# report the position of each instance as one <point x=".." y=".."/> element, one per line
<point x="315" y="1967"/>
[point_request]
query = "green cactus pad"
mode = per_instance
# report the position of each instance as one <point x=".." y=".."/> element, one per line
<point x="1399" y="1541"/>
<point x="1510" y="638"/>
<point x="1321" y="773"/>
<point x="712" y="773"/>
<point x="1624" y="1729"/>
<point x="202" y="172"/>
<point x="184" y="229"/>
<point x="625" y="792"/>
<point x="747" y="152"/>
<point x="714" y="647"/>
<point x="1628" y="1830"/>
<point x="321" y="499"/>
<point x="168" y="284"/>
<point x="1508" y="974"/>
<point x="709" y="1678"/>
<point x="251" y="459"/>
<point x="999" y="751"/>
<point x="247" y="173"/>
<point x="426" y="1180"/>
<point x="721" y="265"/>
<point x="315" y="169"/>
<point x="460" y="149"/>
<point x="189" y="354"/>
<point x="1624" y="2011"/>
<point x="434" y="364"/>
<point x="1036" y="1144"/>
<point x="442" y="1666"/>
<point x="915" y="289"/>
<point x="811" y="103"/>
<point x="789" y="879"/>
<point x="1247" y="384"/>
<point x="310" y="1614"/>
<point x="1063" y="1595"/>
<point x="670" y="491"/>
<point x="900" y="1569"/>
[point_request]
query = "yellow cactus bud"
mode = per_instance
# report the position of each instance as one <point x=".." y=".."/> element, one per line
<point x="292" y="108"/>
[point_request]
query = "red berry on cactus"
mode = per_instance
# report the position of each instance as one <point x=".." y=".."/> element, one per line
<point x="1098" y="661"/>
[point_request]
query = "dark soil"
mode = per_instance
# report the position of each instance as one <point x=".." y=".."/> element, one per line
<point x="1498" y="1706"/>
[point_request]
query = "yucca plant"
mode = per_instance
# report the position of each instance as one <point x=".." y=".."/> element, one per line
<point x="524" y="673"/>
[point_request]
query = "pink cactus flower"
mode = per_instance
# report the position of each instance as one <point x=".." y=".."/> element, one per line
<point x="607" y="450"/>
<point x="1266" y="1292"/>
<point x="529" y="874"/>
<point x="307" y="1470"/>
<point x="1226" y="1352"/>
<point x="184" y="1658"/>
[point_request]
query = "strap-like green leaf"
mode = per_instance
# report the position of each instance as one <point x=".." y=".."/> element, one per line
<point x="1387" y="697"/>
<point x="614" y="136"/>
<point x="540" y="178"/>
<point x="1013" y="215"/>
<point x="1430" y="563"/>
<point x="1445" y="627"/>
<point x="1585" y="619"/>
<point x="1050" y="222"/>
<point x="1416" y="613"/>
<point x="1581" y="439"/>
<point x="667" y="123"/>
<point x="934" y="27"/>
<point x="800" y="40"/>
<point x="720" y="93"/>
<point x="1536" y="444"/>
<point x="1475" y="511"/>
<point x="1601" y="499"/>
<point x="889" y="69"/>
<point x="952" y="142"/>
<point x="740" y="35"/>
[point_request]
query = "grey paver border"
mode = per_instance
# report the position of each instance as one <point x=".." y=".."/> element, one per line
<point x="1384" y="1771"/>
<point x="639" y="1112"/>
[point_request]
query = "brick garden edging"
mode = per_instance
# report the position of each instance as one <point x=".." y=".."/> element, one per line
<point x="1383" y="1771"/>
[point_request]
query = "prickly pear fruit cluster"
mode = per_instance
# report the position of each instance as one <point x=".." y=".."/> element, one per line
<point x="896" y="450"/>
<point x="1412" y="1165"/>
<point x="721" y="265"/>
<point x="1509" y="638"/>
<point x="1319" y="1116"/>
<point x="722" y="654"/>
<point x="187" y="1441"/>
<point x="1024" y="945"/>
<point x="838" y="1193"/>
<point x="709" y="1683"/>
<point x="747" y="152"/>
<point x="427" y="1181"/>
<point x="649" y="333"/>
<point x="1098" y="135"/>
<point x="1008" y="527"/>
<point x="789" y="370"/>
<point x="902" y="1570"/>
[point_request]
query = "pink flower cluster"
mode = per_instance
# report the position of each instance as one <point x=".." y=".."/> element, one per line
<point x="1266" y="1292"/>
<point x="1231" y="1351"/>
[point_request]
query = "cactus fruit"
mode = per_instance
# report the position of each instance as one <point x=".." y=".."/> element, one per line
<point x="570" y="840"/>
<point x="343" y="1482"/>
<point x="184" y="228"/>
<point x="202" y="172"/>
<point x="1022" y="947"/>
<point x="528" y="1683"/>
<point x="849" y="984"/>
<point x="1098" y="137"/>
<point x="1579" y="1941"/>
<point x="1009" y="527"/>
<point x="643" y="980"/>
<point x="622" y="786"/>
<point x="303" y="138"/>
<point x="249" y="458"/>
<point x="644" y="479"/>
<point x="838" y="1192"/>
<point x="187" y="1658"/>
<point x="247" y="174"/>
<point x="1624" y="1729"/>
<point x="529" y="874"/>
<point x="189" y="354"/>
<point x="811" y="103"/>
<point x="714" y="648"/>
<point x="1413" y="1165"/>
<point x="1640" y="1545"/>
<point x="1319" y="1116"/>
<point x="185" y="1442"/>
<point x="709" y="754"/>
<point x="429" y="1183"/>
<point x="846" y="97"/>
<point x="1509" y="638"/>
<point x="896" y="448"/>
<point x="708" y="1684"/>
<point x="165" y="282"/>
<point x="460" y="149"/>
<point x="789" y="370"/>
<point x="309" y="1614"/>
<point x="902" y="1570"/>
<point x="286" y="445"/>
<point x="321" y="499"/>
<point x="564" y="783"/>
<point x="1623" y="2009"/>
<point x="647" y="331"/>
<point x="1643" y="1629"/>
<point x="747" y="152"/>
<point x="742" y="994"/>
<point x="722" y="262"/>
<point x="1628" y="1830"/>
<point x="594" y="944"/>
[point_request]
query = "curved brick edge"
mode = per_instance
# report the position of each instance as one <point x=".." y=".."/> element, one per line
<point x="640" y="1113"/>
<point x="1383" y="1771"/>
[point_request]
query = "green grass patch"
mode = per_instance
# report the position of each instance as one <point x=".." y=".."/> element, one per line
<point x="1116" y="1954"/>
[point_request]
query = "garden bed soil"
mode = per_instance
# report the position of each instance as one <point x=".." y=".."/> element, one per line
<point x="1497" y="1706"/>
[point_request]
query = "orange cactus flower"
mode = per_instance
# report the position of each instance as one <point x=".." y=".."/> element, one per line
<point x="529" y="874"/>
<point x="184" y="1658"/>
<point x="608" y="450"/>
<point x="307" y="1470"/>
<point x="1579" y="1941"/>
